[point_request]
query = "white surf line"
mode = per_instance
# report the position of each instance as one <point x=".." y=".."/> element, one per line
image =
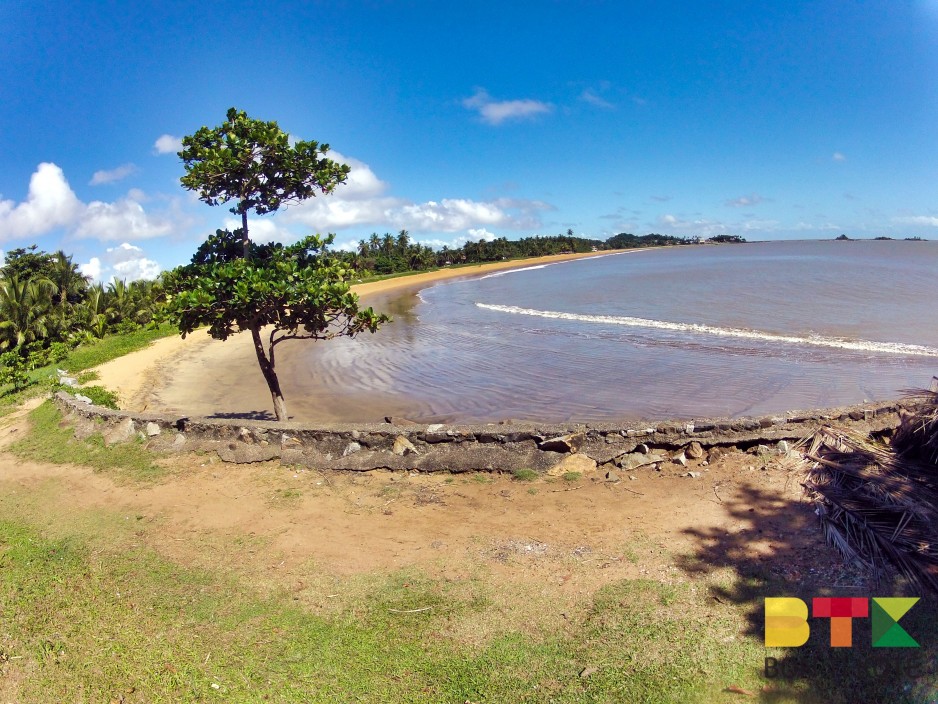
<point x="565" y="261"/>
<point x="817" y="341"/>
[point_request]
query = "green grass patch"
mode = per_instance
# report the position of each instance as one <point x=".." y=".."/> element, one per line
<point x="48" y="441"/>
<point x="572" y="476"/>
<point x="44" y="379"/>
<point x="524" y="475"/>
<point x="114" y="346"/>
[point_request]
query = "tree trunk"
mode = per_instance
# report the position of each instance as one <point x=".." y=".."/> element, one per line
<point x="245" y="240"/>
<point x="270" y="376"/>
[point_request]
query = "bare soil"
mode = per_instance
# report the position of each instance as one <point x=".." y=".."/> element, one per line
<point x="285" y="527"/>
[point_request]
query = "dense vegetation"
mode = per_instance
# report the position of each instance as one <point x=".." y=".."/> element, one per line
<point x="47" y="307"/>
<point x="391" y="254"/>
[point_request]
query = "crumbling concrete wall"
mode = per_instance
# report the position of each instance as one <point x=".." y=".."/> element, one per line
<point x="544" y="447"/>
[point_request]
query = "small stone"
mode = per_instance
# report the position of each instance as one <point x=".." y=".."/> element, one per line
<point x="632" y="477"/>
<point x="564" y="443"/>
<point x="179" y="440"/>
<point x="351" y="449"/>
<point x="679" y="458"/>
<point x="612" y="477"/>
<point x="245" y="435"/>
<point x="693" y="475"/>
<point x="694" y="451"/>
<point x="783" y="447"/>
<point x="434" y="427"/>
<point x="573" y="463"/>
<point x="83" y="399"/>
<point x="152" y="429"/>
<point x="403" y="446"/>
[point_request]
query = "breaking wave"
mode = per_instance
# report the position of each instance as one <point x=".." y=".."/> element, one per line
<point x="897" y="348"/>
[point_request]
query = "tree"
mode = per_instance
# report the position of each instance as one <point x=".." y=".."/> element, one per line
<point x="24" y="311"/>
<point x="296" y="292"/>
<point x="251" y="162"/>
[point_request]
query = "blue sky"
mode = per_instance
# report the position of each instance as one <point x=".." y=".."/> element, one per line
<point x="473" y="120"/>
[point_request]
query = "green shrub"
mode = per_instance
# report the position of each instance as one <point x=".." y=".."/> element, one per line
<point x="99" y="396"/>
<point x="13" y="369"/>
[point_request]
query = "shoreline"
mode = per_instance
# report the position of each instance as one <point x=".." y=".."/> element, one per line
<point x="139" y="378"/>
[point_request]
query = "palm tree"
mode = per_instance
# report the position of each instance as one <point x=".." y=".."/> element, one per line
<point x="25" y="308"/>
<point x="69" y="282"/>
<point x="90" y="314"/>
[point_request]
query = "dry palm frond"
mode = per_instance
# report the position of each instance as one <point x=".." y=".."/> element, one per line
<point x="917" y="435"/>
<point x="876" y="506"/>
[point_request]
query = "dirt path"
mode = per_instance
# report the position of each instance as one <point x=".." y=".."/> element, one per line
<point x="273" y="523"/>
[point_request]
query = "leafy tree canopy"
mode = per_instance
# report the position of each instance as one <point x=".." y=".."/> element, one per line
<point x="252" y="162"/>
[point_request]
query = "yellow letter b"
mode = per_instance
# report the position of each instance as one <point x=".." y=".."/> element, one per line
<point x="786" y="622"/>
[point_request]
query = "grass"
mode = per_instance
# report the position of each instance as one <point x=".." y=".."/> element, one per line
<point x="46" y="441"/>
<point x="112" y="623"/>
<point x="524" y="475"/>
<point x="79" y="360"/>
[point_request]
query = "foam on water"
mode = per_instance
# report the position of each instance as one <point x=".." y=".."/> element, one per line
<point x="897" y="348"/>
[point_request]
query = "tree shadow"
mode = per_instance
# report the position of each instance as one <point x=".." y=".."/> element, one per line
<point x="775" y="548"/>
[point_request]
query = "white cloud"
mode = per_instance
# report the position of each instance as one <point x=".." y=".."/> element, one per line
<point x="50" y="203"/>
<point x="125" y="261"/>
<point x="121" y="219"/>
<point x="482" y="234"/>
<point x="167" y="144"/>
<point x="362" y="202"/>
<point x="591" y="97"/>
<point x="745" y="201"/>
<point x="262" y="230"/>
<point x="121" y="172"/>
<point x="927" y="220"/>
<point x="91" y="268"/>
<point x="838" y="156"/>
<point x="495" y="112"/>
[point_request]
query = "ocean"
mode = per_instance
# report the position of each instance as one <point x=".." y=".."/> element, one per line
<point x="682" y="332"/>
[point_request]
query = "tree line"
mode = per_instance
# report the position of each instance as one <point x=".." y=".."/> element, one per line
<point x="48" y="307"/>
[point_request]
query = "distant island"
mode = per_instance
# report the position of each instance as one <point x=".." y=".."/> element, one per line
<point x="844" y="238"/>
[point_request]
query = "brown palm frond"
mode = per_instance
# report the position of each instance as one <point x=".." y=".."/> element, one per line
<point x="917" y="435"/>
<point x="876" y="506"/>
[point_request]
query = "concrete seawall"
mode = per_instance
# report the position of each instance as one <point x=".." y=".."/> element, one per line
<point x="403" y="445"/>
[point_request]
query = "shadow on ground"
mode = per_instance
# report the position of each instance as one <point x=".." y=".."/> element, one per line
<point x="245" y="415"/>
<point x="776" y="549"/>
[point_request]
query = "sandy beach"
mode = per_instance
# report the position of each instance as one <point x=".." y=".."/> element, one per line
<point x="202" y="376"/>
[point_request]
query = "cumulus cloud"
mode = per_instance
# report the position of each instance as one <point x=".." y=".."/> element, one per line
<point x="262" y="230"/>
<point x="480" y="233"/>
<point x="50" y="203"/>
<point x="838" y="156"/>
<point x="167" y="144"/>
<point x="745" y="201"/>
<point x="495" y="112"/>
<point x="363" y="201"/>
<point x="125" y="261"/>
<point x="121" y="172"/>
<point x="121" y="219"/>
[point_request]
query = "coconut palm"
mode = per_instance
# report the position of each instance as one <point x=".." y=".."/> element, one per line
<point x="25" y="311"/>
<point x="69" y="282"/>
